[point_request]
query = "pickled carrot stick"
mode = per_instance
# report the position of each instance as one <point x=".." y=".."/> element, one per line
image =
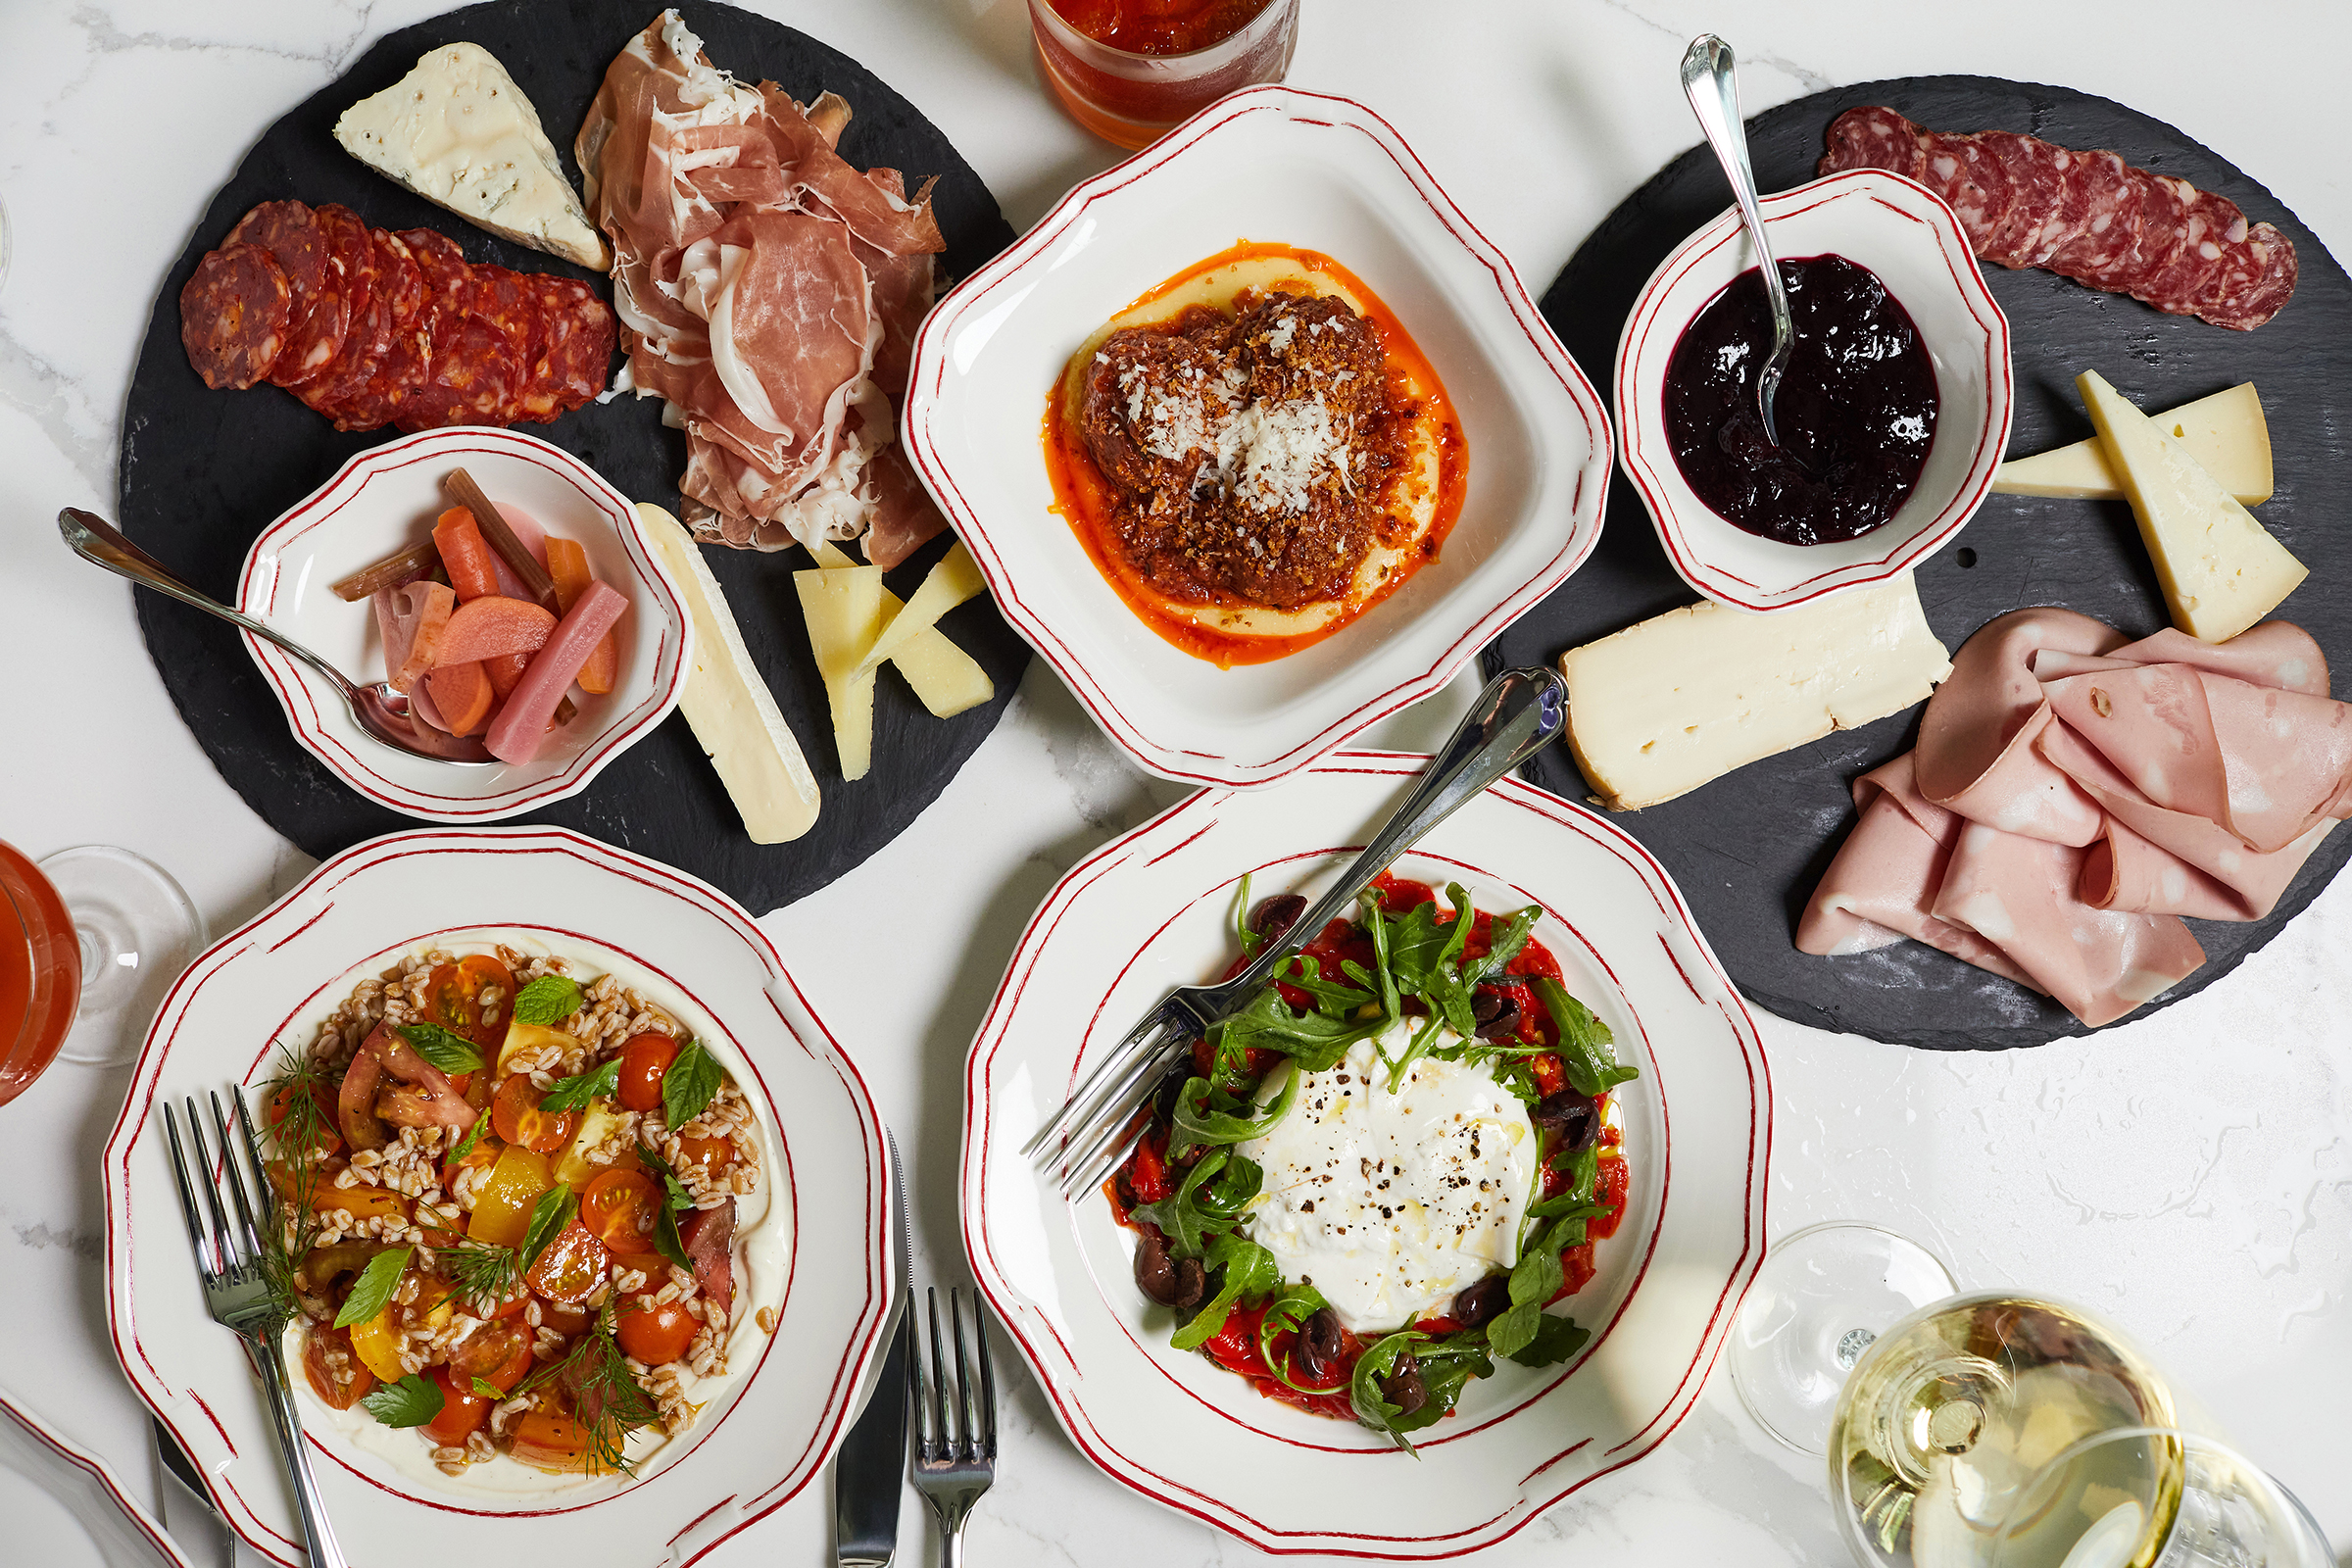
<point x="567" y="564"/>
<point x="520" y="728"/>
<point x="472" y="569"/>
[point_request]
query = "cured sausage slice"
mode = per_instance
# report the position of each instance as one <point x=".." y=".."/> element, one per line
<point x="1873" y="137"/>
<point x="369" y="337"/>
<point x="2213" y="233"/>
<point x="2099" y="251"/>
<point x="291" y="234"/>
<point x="508" y="303"/>
<point x="1975" y="187"/>
<point x="473" y="380"/>
<point x="233" y="316"/>
<point x="400" y="295"/>
<point x="2243" y="303"/>
<point x="574" y="352"/>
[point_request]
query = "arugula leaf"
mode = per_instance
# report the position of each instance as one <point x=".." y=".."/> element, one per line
<point x="548" y="999"/>
<point x="1202" y="1120"/>
<point x="1290" y="1309"/>
<point x="1556" y="1339"/>
<point x="574" y="1093"/>
<point x="693" y="1078"/>
<point x="1242" y="933"/>
<point x="411" y="1403"/>
<point x="372" y="1291"/>
<point x="488" y="1389"/>
<point x="1376" y="926"/>
<point x="453" y="1053"/>
<point x="1423" y="1037"/>
<point x="1446" y="1367"/>
<point x="666" y="1240"/>
<point x="1505" y="938"/>
<point x="549" y="1218"/>
<point x="1202" y="1208"/>
<point x="1314" y="1040"/>
<point x="1585" y="1041"/>
<point x="1533" y="1281"/>
<point x="481" y="1125"/>
<point x="1332" y="1000"/>
<point x="1363" y="1388"/>
<point x="1417" y="945"/>
<point x="1250" y="1270"/>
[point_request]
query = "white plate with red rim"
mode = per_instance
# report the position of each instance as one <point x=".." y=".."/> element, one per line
<point x="66" y="1508"/>
<point x="1904" y="232"/>
<point x="1279" y="166"/>
<point x="1153" y="910"/>
<point x="772" y="1426"/>
<point x="386" y="498"/>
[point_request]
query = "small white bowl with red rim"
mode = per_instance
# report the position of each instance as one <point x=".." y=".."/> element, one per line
<point x="1275" y="164"/>
<point x="1153" y="910"/>
<point x="1904" y="232"/>
<point x="386" y="498"/>
<point x="772" y="1421"/>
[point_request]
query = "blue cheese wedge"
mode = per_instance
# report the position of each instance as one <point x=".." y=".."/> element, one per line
<point x="460" y="133"/>
<point x="1662" y="708"/>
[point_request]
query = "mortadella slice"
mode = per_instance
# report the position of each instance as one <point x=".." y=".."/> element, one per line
<point x="520" y="728"/>
<point x="1976" y="740"/>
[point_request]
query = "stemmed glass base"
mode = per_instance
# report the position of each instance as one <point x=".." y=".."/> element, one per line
<point x="138" y="930"/>
<point x="1821" y="1299"/>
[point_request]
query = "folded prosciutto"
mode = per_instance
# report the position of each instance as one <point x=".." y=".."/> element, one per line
<point x="768" y="292"/>
<point x="2073" y="794"/>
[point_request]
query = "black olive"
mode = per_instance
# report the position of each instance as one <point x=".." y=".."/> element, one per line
<point x="1403" y="1386"/>
<point x="1274" y="917"/>
<point x="1574" y="1115"/>
<point x="1155" y="1272"/>
<point x="1319" y="1345"/>
<point x="1484" y="1301"/>
<point x="1192" y="1282"/>
<point x="1497" y="1014"/>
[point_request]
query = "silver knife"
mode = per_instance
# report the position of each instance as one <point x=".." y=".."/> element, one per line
<point x="187" y="1513"/>
<point x="869" y="1473"/>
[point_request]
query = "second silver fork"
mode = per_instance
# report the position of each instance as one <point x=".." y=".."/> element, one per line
<point x="956" y="1423"/>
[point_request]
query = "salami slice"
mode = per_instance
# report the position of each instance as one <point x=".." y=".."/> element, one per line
<point x="400" y="296"/>
<point x="294" y="238"/>
<point x="1874" y="137"/>
<point x="2053" y="205"/>
<point x="2212" y="228"/>
<point x="2243" y="300"/>
<point x="2162" y="228"/>
<point x="574" y="352"/>
<point x="2103" y="244"/>
<point x="474" y="380"/>
<point x="509" y="303"/>
<point x="1975" y="187"/>
<point x="2037" y="191"/>
<point x="233" y="316"/>
<point x="369" y="338"/>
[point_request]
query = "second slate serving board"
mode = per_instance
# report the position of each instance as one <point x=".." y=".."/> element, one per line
<point x="201" y="473"/>
<point x="1748" y="849"/>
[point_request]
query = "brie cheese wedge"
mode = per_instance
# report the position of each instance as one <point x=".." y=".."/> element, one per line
<point x="460" y="133"/>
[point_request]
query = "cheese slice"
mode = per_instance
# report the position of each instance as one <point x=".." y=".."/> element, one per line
<point x="842" y="605"/>
<point x="460" y="133"/>
<point x="2225" y="434"/>
<point x="2221" y="570"/>
<point x="954" y="580"/>
<point x="1678" y="701"/>
<point x="945" y="678"/>
<point x="733" y="714"/>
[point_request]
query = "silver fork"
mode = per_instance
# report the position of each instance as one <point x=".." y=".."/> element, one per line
<point x="1517" y="716"/>
<point x="955" y="1460"/>
<point x="237" y="1293"/>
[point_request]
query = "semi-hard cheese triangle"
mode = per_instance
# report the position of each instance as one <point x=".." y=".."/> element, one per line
<point x="460" y="133"/>
<point x="2225" y="434"/>
<point x="1662" y="708"/>
<point x="2221" y="570"/>
<point x="734" y="716"/>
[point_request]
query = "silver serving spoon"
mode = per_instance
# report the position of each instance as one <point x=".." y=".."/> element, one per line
<point x="1710" y="83"/>
<point x="382" y="712"/>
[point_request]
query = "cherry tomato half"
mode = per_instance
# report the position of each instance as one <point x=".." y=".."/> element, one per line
<point x="714" y="1155"/>
<point x="654" y="1335"/>
<point x="571" y="1267"/>
<point x="619" y="1208"/>
<point x="462" y="1411"/>
<point x="517" y="1117"/>
<point x="550" y="1439"/>
<point x="498" y="1352"/>
<point x="644" y="1062"/>
<point x="453" y="998"/>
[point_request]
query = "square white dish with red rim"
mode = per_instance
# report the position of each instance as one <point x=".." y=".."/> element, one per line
<point x="1323" y="174"/>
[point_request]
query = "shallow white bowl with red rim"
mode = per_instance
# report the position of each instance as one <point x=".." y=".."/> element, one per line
<point x="1154" y="909"/>
<point x="1277" y="166"/>
<point x="687" y="948"/>
<point x="66" y="1508"/>
<point x="1904" y="232"/>
<point x="387" y="496"/>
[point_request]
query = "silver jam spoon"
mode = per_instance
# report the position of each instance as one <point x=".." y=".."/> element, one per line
<point x="382" y="712"/>
<point x="1711" y="83"/>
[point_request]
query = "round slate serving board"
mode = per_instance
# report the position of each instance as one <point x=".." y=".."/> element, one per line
<point x="1749" y="847"/>
<point x="201" y="473"/>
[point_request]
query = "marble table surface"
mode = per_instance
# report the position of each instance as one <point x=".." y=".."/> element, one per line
<point x="2189" y="1175"/>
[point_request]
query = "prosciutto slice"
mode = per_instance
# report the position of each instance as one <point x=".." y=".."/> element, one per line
<point x="768" y="292"/>
<point x="2075" y="794"/>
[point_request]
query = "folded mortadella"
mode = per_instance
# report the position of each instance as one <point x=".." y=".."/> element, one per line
<point x="1976" y="740"/>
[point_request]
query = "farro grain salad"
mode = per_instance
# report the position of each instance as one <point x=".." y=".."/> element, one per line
<point x="512" y="1191"/>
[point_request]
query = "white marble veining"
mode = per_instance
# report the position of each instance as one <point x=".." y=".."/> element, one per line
<point x="2188" y="1175"/>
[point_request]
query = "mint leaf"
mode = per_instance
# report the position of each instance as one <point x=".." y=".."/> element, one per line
<point x="550" y="1215"/>
<point x="372" y="1291"/>
<point x="548" y="999"/>
<point x="453" y="1053"/>
<point x="411" y="1403"/>
<point x="575" y="1093"/>
<point x="693" y="1078"/>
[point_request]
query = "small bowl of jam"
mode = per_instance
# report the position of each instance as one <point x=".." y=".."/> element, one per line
<point x="1890" y="417"/>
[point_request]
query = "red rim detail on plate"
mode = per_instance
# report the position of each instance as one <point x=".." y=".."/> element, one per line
<point x="101" y="1473"/>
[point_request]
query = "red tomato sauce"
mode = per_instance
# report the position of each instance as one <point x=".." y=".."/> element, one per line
<point x="1159" y="27"/>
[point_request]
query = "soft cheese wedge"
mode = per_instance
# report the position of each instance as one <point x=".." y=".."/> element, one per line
<point x="2221" y="570"/>
<point x="460" y="133"/>
<point x="733" y="714"/>
<point x="2225" y="434"/>
<point x="1662" y="708"/>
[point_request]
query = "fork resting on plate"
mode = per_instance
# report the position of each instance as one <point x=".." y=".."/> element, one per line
<point x="955" y="1422"/>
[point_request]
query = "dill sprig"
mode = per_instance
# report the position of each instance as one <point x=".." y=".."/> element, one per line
<point x="484" y="1274"/>
<point x="606" y="1399"/>
<point x="300" y="1138"/>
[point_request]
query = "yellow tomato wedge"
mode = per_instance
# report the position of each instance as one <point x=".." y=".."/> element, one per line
<point x="376" y="1342"/>
<point x="522" y="1037"/>
<point x="502" y="1203"/>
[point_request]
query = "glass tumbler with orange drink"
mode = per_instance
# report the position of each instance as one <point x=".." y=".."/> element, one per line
<point x="1129" y="70"/>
